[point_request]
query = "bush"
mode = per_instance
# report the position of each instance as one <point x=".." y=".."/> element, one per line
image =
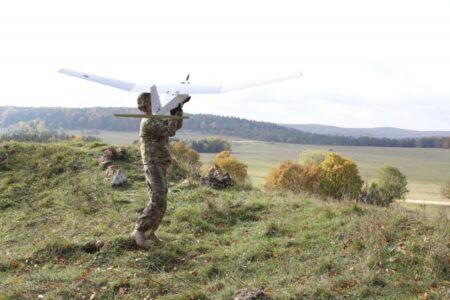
<point x="211" y="145"/>
<point x="186" y="162"/>
<point x="446" y="190"/>
<point x="392" y="183"/>
<point x="293" y="177"/>
<point x="312" y="157"/>
<point x="231" y="165"/>
<point x="372" y="194"/>
<point x="339" y="177"/>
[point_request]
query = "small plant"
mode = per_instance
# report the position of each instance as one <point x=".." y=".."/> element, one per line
<point x="231" y="165"/>
<point x="446" y="190"/>
<point x="294" y="177"/>
<point x="339" y="177"/>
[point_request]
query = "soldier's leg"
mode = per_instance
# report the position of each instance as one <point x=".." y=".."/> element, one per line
<point x="155" y="175"/>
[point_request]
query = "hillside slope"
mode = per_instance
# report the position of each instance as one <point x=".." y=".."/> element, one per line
<point x="55" y="202"/>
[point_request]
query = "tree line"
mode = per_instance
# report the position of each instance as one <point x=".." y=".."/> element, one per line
<point x="101" y="118"/>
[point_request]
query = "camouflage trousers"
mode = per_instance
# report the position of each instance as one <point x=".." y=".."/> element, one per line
<point x="156" y="179"/>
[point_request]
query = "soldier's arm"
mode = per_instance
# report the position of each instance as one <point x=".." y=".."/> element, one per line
<point x="157" y="128"/>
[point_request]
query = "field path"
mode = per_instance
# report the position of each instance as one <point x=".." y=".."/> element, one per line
<point x="426" y="202"/>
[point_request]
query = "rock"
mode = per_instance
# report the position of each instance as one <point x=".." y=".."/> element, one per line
<point x="110" y="154"/>
<point x="119" y="178"/>
<point x="217" y="178"/>
<point x="93" y="246"/>
<point x="111" y="171"/>
<point x="250" y="294"/>
<point x="121" y="153"/>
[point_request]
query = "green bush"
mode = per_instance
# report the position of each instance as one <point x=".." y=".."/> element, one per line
<point x="339" y="177"/>
<point x="312" y="157"/>
<point x="211" y="145"/>
<point x="392" y="183"/>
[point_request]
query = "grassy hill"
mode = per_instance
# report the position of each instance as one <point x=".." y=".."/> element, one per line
<point x="54" y="203"/>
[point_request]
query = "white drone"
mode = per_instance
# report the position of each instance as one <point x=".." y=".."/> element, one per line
<point x="177" y="93"/>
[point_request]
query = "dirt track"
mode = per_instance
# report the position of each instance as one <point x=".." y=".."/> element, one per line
<point x="425" y="202"/>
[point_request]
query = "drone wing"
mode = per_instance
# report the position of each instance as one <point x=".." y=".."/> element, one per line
<point x="181" y="88"/>
<point x="191" y="89"/>
<point x="123" y="85"/>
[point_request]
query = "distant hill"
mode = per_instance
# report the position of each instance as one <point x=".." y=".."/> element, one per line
<point x="377" y="132"/>
<point x="102" y="118"/>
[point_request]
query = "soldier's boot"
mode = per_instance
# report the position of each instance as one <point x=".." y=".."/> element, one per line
<point x="140" y="239"/>
<point x="152" y="236"/>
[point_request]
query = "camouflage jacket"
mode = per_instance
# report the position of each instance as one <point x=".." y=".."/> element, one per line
<point x="155" y="135"/>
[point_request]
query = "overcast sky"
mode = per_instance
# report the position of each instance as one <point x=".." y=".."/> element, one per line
<point x="365" y="63"/>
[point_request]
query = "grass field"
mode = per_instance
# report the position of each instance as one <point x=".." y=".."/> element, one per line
<point x="426" y="169"/>
<point x="55" y="204"/>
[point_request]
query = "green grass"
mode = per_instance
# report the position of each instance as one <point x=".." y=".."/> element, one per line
<point x="426" y="169"/>
<point x="55" y="202"/>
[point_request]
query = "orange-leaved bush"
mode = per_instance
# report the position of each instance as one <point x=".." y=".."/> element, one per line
<point x="294" y="177"/>
<point x="231" y="165"/>
<point x="339" y="177"/>
<point x="186" y="162"/>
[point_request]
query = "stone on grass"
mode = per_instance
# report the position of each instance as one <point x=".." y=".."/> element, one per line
<point x="217" y="178"/>
<point x="250" y="294"/>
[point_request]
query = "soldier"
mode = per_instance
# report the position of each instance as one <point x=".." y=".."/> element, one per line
<point x="154" y="134"/>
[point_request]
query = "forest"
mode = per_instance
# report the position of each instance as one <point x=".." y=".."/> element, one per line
<point x="101" y="118"/>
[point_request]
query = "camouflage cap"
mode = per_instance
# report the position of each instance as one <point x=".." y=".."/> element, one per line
<point x="142" y="100"/>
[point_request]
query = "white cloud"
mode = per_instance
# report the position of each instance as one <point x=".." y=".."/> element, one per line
<point x="365" y="63"/>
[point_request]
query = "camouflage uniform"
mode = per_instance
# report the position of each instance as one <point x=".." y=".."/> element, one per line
<point x="155" y="153"/>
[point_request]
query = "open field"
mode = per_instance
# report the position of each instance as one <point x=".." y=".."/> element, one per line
<point x="426" y="169"/>
<point x="290" y="246"/>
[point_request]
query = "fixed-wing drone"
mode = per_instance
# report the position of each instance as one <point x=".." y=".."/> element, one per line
<point x="176" y="93"/>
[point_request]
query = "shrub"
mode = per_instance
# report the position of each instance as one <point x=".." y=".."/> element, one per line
<point x="231" y="165"/>
<point x="186" y="162"/>
<point x="211" y="145"/>
<point x="372" y="194"/>
<point x="446" y="190"/>
<point x="312" y="157"/>
<point x="293" y="177"/>
<point x="339" y="177"/>
<point x="392" y="183"/>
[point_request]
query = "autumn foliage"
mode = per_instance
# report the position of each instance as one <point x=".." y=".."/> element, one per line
<point x="339" y="177"/>
<point x="294" y="177"/>
<point x="186" y="162"/>
<point x="231" y="165"/>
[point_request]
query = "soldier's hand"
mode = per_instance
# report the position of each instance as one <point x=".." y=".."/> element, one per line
<point x="187" y="100"/>
<point x="176" y="110"/>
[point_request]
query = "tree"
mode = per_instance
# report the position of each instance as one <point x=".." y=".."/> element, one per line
<point x="339" y="177"/>
<point x="392" y="183"/>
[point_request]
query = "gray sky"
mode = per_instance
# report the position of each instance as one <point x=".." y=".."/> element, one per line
<point x="365" y="63"/>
